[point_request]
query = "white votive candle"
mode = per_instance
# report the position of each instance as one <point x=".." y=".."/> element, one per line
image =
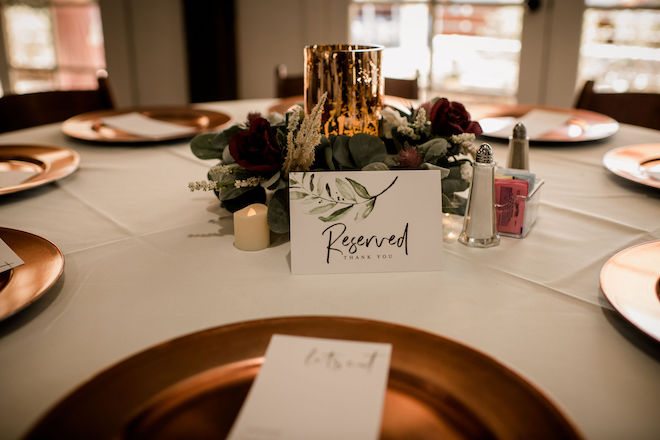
<point x="251" y="232"/>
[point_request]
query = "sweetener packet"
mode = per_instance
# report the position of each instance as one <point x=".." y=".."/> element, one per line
<point x="510" y="202"/>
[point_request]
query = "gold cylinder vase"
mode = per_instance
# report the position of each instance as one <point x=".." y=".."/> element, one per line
<point x="351" y="76"/>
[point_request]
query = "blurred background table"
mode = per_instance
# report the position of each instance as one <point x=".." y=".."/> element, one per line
<point x="147" y="261"/>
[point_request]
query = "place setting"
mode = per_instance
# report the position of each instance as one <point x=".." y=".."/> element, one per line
<point x="29" y="266"/>
<point x="24" y="166"/>
<point x="143" y="125"/>
<point x="630" y="280"/>
<point x="636" y="163"/>
<point x="412" y="384"/>
<point x="545" y="125"/>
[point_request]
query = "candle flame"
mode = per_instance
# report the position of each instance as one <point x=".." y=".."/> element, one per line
<point x="251" y="212"/>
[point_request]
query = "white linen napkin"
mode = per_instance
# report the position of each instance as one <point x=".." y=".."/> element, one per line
<point x="8" y="258"/>
<point x="14" y="177"/>
<point x="537" y="122"/>
<point x="144" y="126"/>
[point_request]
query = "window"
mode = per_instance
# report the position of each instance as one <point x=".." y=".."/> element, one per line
<point x="620" y="47"/>
<point x="459" y="47"/>
<point x="51" y="45"/>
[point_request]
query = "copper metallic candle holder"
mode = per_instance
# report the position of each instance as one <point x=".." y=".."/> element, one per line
<point x="351" y="76"/>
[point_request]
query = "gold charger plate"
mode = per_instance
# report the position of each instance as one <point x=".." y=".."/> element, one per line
<point x="88" y="126"/>
<point x="50" y="163"/>
<point x="631" y="282"/>
<point x="193" y="387"/>
<point x="22" y="285"/>
<point x="584" y="125"/>
<point x="284" y="104"/>
<point x="631" y="162"/>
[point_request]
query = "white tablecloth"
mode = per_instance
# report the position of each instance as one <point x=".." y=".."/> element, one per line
<point x="147" y="260"/>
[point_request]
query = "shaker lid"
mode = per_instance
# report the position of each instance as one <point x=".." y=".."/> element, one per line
<point x="519" y="131"/>
<point x="484" y="154"/>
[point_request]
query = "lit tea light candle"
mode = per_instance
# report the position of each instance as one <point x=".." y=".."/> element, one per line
<point x="251" y="232"/>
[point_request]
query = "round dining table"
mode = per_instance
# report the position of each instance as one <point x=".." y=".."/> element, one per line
<point x="146" y="260"/>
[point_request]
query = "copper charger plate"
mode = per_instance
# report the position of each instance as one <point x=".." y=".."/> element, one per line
<point x="631" y="162"/>
<point x="193" y="387"/>
<point x="88" y="126"/>
<point x="285" y="104"/>
<point x="49" y="164"/>
<point x="631" y="282"/>
<point x="22" y="285"/>
<point x="584" y="125"/>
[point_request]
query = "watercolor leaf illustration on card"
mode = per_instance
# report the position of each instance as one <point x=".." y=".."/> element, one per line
<point x="335" y="200"/>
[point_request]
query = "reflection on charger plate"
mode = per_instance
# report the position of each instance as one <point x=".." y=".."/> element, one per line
<point x="638" y="163"/>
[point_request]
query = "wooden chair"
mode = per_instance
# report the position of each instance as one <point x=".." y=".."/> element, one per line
<point x="642" y="109"/>
<point x="286" y="86"/>
<point x="32" y="109"/>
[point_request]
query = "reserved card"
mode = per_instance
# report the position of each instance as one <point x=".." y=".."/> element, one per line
<point x="365" y="221"/>
<point x="141" y="125"/>
<point x="311" y="388"/>
<point x="8" y="258"/>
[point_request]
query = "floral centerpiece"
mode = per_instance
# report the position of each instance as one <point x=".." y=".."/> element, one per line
<point x="258" y="155"/>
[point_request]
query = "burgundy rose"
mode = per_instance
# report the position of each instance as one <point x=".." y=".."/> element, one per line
<point x="256" y="149"/>
<point x="449" y="118"/>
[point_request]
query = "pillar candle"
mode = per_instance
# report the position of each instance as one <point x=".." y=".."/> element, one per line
<point x="251" y="232"/>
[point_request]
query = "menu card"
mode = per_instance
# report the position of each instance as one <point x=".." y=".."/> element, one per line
<point x="144" y="126"/>
<point x="8" y="258"/>
<point x="537" y="122"/>
<point x="14" y="177"/>
<point x="311" y="388"/>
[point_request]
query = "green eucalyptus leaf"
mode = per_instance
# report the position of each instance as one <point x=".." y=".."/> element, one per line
<point x="222" y="139"/>
<point x="335" y="215"/>
<point x="233" y="192"/>
<point x="269" y="183"/>
<point x="341" y="153"/>
<point x="252" y="195"/>
<point x="327" y="152"/>
<point x="203" y="146"/>
<point x="435" y="149"/>
<point x="375" y="166"/>
<point x="345" y="189"/>
<point x="360" y="190"/>
<point x="366" y="148"/>
<point x="278" y="211"/>
<point x="450" y="185"/>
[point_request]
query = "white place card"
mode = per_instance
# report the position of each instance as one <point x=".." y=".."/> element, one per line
<point x="365" y="221"/>
<point x="312" y="388"/>
<point x="537" y="122"/>
<point x="14" y="177"/>
<point x="8" y="258"/>
<point x="144" y="126"/>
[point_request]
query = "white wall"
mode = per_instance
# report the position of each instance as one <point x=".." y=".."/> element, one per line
<point x="145" y="51"/>
<point x="274" y="32"/>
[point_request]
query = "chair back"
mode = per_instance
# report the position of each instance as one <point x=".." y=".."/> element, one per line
<point x="285" y="85"/>
<point x="32" y="109"/>
<point x="642" y="109"/>
<point x="293" y="85"/>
